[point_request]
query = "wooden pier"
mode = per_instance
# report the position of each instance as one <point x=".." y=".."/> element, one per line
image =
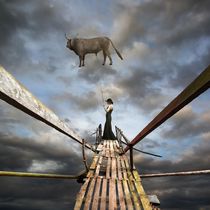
<point x="110" y="183"/>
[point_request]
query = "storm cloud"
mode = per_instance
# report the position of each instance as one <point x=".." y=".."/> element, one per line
<point x="164" y="44"/>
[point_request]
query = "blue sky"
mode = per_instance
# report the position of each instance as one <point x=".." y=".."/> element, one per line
<point x="165" y="45"/>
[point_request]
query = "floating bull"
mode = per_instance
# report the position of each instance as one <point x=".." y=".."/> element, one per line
<point x="84" y="46"/>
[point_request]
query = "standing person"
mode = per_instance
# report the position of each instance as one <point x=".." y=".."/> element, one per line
<point x="108" y="134"/>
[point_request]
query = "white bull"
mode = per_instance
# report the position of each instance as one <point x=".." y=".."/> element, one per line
<point x="84" y="46"/>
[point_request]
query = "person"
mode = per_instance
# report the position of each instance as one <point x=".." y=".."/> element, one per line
<point x="108" y="134"/>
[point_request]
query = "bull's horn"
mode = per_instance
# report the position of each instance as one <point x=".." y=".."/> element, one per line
<point x="66" y="37"/>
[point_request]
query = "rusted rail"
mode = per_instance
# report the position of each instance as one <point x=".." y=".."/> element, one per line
<point x="198" y="86"/>
<point x="18" y="96"/>
<point x="38" y="175"/>
<point x="186" y="173"/>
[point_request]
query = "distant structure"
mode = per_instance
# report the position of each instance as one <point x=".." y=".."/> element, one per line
<point x="111" y="181"/>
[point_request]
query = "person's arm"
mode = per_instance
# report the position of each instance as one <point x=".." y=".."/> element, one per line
<point x="109" y="108"/>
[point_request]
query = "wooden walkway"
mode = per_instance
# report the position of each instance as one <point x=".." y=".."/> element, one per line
<point x="110" y="184"/>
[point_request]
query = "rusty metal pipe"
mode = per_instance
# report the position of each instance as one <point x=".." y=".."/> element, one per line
<point x="185" y="173"/>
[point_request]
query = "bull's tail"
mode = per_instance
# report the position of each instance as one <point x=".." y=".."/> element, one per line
<point x="118" y="53"/>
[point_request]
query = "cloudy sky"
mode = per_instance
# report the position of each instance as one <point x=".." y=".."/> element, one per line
<point x="165" y="45"/>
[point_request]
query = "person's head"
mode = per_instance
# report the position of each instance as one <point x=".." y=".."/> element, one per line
<point x="109" y="101"/>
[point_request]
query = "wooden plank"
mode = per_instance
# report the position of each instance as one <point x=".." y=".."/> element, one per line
<point x="104" y="149"/>
<point x="96" y="194"/>
<point x="119" y="170"/>
<point x="90" y="173"/>
<point x="197" y="87"/>
<point x="18" y="96"/>
<point x="117" y="144"/>
<point x="94" y="162"/>
<point x="143" y="197"/>
<point x="80" y="195"/>
<point x="121" y="195"/>
<point x="89" y="194"/>
<point x="127" y="195"/>
<point x="137" y="203"/>
<point x="130" y="175"/>
<point x="124" y="169"/>
<point x="112" y="195"/>
<point x="108" y="168"/>
<point x="116" y="150"/>
<point x="98" y="166"/>
<point x="107" y="149"/>
<point x="112" y="149"/>
<point x="114" y="168"/>
<point x="103" y="195"/>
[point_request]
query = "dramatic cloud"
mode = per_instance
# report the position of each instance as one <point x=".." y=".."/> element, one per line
<point x="165" y="44"/>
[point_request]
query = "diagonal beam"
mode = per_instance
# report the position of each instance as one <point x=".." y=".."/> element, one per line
<point x="198" y="86"/>
<point x="18" y="96"/>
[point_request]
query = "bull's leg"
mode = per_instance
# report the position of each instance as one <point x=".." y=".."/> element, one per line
<point x="104" y="53"/>
<point x="83" y="60"/>
<point x="80" y="61"/>
<point x="109" y="56"/>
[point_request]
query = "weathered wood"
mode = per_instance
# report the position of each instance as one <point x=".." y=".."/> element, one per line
<point x="112" y="195"/>
<point x="80" y="195"/>
<point x="96" y="194"/>
<point x="117" y="189"/>
<point x="127" y="195"/>
<point x="121" y="195"/>
<point x="38" y="175"/>
<point x="124" y="169"/>
<point x="119" y="170"/>
<point x="89" y="194"/>
<point x="103" y="195"/>
<point x="98" y="166"/>
<point x="114" y="168"/>
<point x="143" y="197"/>
<point x="18" y="96"/>
<point x="134" y="195"/>
<point x="108" y="168"/>
<point x="185" y="173"/>
<point x="197" y="87"/>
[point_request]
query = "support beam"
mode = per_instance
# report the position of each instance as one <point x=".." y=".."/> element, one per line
<point x="131" y="158"/>
<point x="198" y="86"/>
<point x="186" y="173"/>
<point x="18" y="96"/>
<point x="38" y="175"/>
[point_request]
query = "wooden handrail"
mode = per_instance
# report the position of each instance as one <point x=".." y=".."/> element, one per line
<point x="18" y="96"/>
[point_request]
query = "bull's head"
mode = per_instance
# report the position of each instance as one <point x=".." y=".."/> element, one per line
<point x="68" y="45"/>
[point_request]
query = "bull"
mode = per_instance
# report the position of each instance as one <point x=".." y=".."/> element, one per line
<point x="81" y="47"/>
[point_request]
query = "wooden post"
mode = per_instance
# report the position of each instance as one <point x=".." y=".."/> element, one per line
<point x="131" y="158"/>
<point x="83" y="154"/>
